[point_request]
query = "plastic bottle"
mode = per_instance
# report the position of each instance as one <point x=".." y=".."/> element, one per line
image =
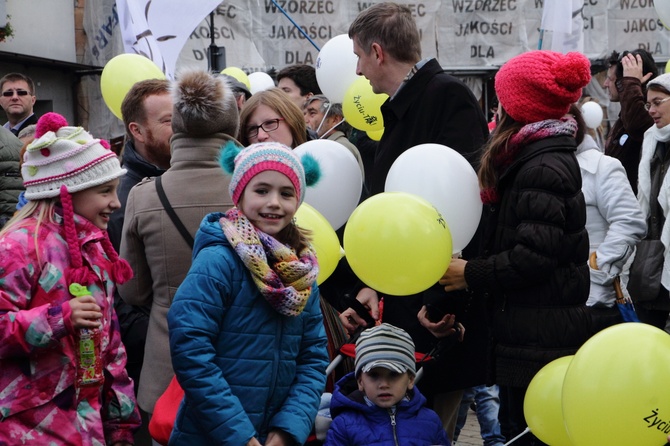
<point x="89" y="362"/>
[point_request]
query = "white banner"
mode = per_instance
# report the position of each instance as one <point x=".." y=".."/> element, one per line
<point x="158" y="29"/>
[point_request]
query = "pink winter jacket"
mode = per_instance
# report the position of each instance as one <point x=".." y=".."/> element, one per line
<point x="39" y="402"/>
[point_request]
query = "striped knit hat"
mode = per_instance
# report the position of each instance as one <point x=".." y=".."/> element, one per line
<point x="385" y="346"/>
<point x="69" y="156"/>
<point x="247" y="163"/>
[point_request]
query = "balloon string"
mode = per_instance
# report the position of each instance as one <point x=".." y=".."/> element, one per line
<point x="518" y="436"/>
<point x="302" y="31"/>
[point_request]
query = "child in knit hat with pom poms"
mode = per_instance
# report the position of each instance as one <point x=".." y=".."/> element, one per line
<point x="247" y="337"/>
<point x="535" y="269"/>
<point x="63" y="377"/>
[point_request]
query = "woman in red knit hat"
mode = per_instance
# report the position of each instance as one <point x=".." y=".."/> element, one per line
<point x="533" y="265"/>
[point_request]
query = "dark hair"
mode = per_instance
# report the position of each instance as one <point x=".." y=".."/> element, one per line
<point x="132" y="107"/>
<point x="648" y="63"/>
<point x="391" y="26"/>
<point x="304" y="77"/>
<point x="13" y="77"/>
<point x="576" y="112"/>
<point x="497" y="143"/>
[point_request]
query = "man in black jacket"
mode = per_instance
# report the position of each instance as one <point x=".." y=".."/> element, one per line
<point x="425" y="105"/>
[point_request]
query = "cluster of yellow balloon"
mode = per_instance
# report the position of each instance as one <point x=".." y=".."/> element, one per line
<point x="120" y="74"/>
<point x="397" y="243"/>
<point x="362" y="107"/>
<point x="614" y="391"/>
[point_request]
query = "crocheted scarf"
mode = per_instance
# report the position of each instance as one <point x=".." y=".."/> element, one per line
<point x="284" y="278"/>
<point x="526" y="135"/>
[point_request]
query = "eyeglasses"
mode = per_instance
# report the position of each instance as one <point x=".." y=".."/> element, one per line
<point x="655" y="103"/>
<point x="10" y="93"/>
<point x="268" y="126"/>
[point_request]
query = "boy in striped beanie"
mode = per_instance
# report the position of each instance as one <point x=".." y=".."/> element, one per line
<point x="378" y="402"/>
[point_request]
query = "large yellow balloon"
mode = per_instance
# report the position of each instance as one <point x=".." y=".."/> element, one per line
<point x="375" y="135"/>
<point x="542" y="404"/>
<point x="120" y="74"/>
<point x="361" y="106"/>
<point x="617" y="388"/>
<point x="238" y="74"/>
<point x="397" y="243"/>
<point x="324" y="240"/>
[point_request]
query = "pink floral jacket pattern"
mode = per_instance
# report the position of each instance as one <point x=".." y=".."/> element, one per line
<point x="39" y="401"/>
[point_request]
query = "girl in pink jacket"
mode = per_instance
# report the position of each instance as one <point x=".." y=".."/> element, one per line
<point x="63" y="378"/>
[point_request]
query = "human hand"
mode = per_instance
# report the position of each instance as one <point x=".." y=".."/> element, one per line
<point x="454" y="278"/>
<point x="278" y="438"/>
<point x="351" y="320"/>
<point x="86" y="312"/>
<point x="441" y="329"/>
<point x="253" y="442"/>
<point x="633" y="67"/>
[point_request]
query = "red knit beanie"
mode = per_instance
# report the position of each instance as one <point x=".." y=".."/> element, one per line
<point x="541" y="84"/>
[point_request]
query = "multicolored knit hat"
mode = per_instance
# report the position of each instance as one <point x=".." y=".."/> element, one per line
<point x="385" y="346"/>
<point x="246" y="163"/>
<point x="63" y="160"/>
<point x="69" y="156"/>
<point x="540" y="85"/>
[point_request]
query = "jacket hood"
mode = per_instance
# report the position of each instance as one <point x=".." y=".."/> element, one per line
<point x="209" y="233"/>
<point x="347" y="397"/>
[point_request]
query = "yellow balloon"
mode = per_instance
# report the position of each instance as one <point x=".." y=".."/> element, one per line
<point x="324" y="240"/>
<point x="120" y="74"/>
<point x="617" y="388"/>
<point x="375" y="135"/>
<point x="361" y="106"/>
<point x="238" y="74"/>
<point x="397" y="243"/>
<point x="667" y="66"/>
<point x="542" y="403"/>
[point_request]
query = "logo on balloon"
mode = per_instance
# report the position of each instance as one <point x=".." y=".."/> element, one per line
<point x="653" y="420"/>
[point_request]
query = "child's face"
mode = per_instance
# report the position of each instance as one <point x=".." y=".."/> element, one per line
<point x="269" y="201"/>
<point x="384" y="387"/>
<point x="97" y="203"/>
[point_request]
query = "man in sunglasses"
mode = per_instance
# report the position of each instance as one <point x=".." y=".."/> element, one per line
<point x="17" y="100"/>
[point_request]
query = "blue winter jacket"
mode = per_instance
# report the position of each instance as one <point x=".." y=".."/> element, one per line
<point x="357" y="424"/>
<point x="245" y="369"/>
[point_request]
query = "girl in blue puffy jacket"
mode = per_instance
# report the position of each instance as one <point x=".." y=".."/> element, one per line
<point x="247" y="339"/>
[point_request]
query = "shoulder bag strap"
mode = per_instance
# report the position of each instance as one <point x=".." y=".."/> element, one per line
<point x="172" y="214"/>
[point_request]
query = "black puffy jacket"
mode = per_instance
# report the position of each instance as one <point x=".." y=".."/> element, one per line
<point x="533" y="267"/>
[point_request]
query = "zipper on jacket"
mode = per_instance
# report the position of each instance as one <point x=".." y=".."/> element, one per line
<point x="393" y="426"/>
<point x="273" y="381"/>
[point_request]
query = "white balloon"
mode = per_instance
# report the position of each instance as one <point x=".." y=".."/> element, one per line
<point x="337" y="192"/>
<point x="336" y="67"/>
<point x="442" y="176"/>
<point x="662" y="8"/>
<point x="260" y="81"/>
<point x="592" y="113"/>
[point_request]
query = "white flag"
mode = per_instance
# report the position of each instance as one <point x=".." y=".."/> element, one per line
<point x="158" y="29"/>
<point x="564" y="19"/>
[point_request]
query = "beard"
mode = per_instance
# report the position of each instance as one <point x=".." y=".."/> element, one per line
<point x="157" y="150"/>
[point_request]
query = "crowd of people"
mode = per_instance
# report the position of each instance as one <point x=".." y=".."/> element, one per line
<point x="178" y="263"/>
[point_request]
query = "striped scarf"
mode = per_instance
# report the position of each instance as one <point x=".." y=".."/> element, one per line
<point x="526" y="135"/>
<point x="284" y="278"/>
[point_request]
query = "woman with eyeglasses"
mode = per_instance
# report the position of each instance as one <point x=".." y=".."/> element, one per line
<point x="652" y="304"/>
<point x="270" y="115"/>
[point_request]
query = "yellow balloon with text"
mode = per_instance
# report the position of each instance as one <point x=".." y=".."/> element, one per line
<point x="238" y="74"/>
<point x="397" y="243"/>
<point x="375" y="135"/>
<point x="361" y="107"/>
<point x="324" y="240"/>
<point x="120" y="74"/>
<point x="616" y="390"/>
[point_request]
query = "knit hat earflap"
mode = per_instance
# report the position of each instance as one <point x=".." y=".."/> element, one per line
<point x="244" y="164"/>
<point x="540" y="85"/>
<point x="385" y="346"/>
